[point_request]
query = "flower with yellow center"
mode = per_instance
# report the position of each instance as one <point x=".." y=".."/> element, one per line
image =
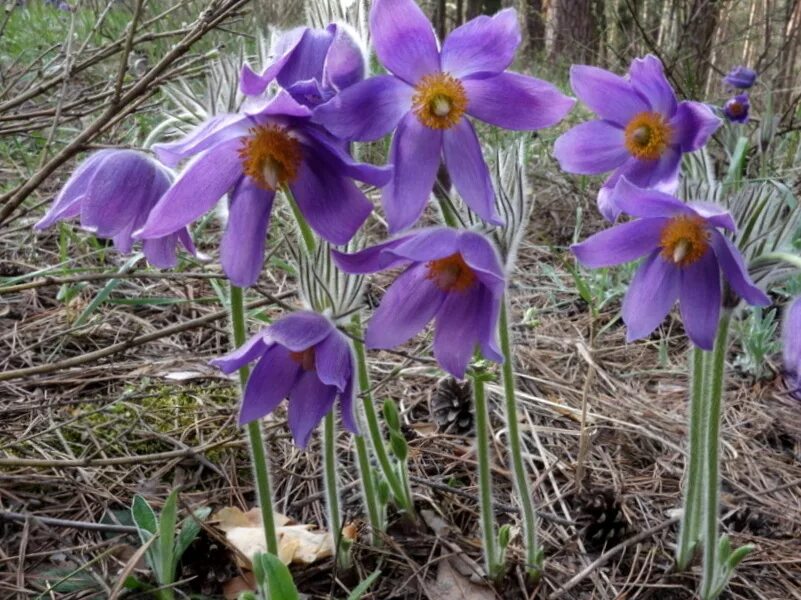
<point x="451" y="274"/>
<point x="439" y="101"/>
<point x="270" y="156"/>
<point x="684" y="240"/>
<point x="647" y="135"/>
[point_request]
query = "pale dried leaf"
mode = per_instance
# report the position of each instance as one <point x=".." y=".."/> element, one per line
<point x="452" y="585"/>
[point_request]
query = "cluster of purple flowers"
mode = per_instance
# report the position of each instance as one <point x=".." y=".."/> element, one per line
<point x="292" y="135"/>
<point x="737" y="107"/>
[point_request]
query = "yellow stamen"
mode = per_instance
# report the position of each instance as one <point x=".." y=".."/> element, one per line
<point x="684" y="240"/>
<point x="270" y="156"/>
<point x="647" y="135"/>
<point x="439" y="101"/>
<point x="451" y="274"/>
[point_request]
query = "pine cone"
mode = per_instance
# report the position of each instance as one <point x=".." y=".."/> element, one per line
<point x="602" y="519"/>
<point x="452" y="407"/>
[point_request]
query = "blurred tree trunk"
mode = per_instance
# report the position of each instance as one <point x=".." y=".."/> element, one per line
<point x="699" y="34"/>
<point x="440" y="18"/>
<point x="534" y="14"/>
<point x="577" y="30"/>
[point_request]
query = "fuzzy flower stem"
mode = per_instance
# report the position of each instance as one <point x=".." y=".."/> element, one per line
<point x="448" y="212"/>
<point x="368" y="489"/>
<point x="691" y="514"/>
<point x="329" y="426"/>
<point x="713" y="381"/>
<point x="258" y="450"/>
<point x="401" y="492"/>
<point x="485" y="479"/>
<point x="689" y="533"/>
<point x="533" y="550"/>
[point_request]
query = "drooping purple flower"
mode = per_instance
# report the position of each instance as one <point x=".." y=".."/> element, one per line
<point x="791" y="333"/>
<point x="741" y="77"/>
<point x="736" y="109"/>
<point x="311" y="64"/>
<point x="249" y="157"/>
<point x="427" y="97"/>
<point x="454" y="277"/>
<point x="684" y="255"/>
<point x="113" y="192"/>
<point x="642" y="131"/>
<point x="302" y="357"/>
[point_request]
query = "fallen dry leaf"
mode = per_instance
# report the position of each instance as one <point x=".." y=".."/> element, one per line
<point x="452" y="585"/>
<point x="297" y="543"/>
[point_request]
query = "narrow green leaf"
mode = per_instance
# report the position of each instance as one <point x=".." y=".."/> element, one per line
<point x="190" y="527"/>
<point x="360" y="589"/>
<point x="167" y="522"/>
<point x="280" y="585"/>
<point x="143" y="516"/>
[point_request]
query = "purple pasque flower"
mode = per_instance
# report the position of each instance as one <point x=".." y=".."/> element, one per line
<point x="428" y="96"/>
<point x="311" y="64"/>
<point x="452" y="276"/>
<point x="791" y="334"/>
<point x="251" y="155"/>
<point x="302" y="357"/>
<point x="684" y="255"/>
<point x="736" y="108"/>
<point x="113" y="192"/>
<point x="641" y="133"/>
<point x="741" y="77"/>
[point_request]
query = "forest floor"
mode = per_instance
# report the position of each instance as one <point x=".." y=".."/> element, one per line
<point x="78" y="441"/>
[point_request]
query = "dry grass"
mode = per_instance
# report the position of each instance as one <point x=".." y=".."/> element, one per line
<point x="77" y="443"/>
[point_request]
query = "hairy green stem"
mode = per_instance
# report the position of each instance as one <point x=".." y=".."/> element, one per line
<point x="332" y="488"/>
<point x="305" y="231"/>
<point x="369" y="493"/>
<point x="485" y="479"/>
<point x="689" y="533"/>
<point x="448" y="214"/>
<point x="715" y="376"/>
<point x="258" y="450"/>
<point x="401" y="492"/>
<point x="532" y="547"/>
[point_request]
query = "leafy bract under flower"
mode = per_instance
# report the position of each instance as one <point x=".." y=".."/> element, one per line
<point x="113" y="192"/>
<point x="302" y="357"/>
<point x="427" y="98"/>
<point x="452" y="277"/>
<point x="641" y="133"/>
<point x="248" y="156"/>
<point x="685" y="253"/>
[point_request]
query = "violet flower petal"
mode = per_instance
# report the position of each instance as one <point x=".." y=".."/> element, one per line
<point x="415" y="153"/>
<point x="345" y="62"/>
<point x="469" y="171"/>
<point x="699" y="300"/>
<point x="334" y="361"/>
<point x="456" y="330"/>
<point x="608" y="95"/>
<point x="204" y="181"/>
<point x="591" y="148"/>
<point x="647" y="203"/>
<point x="692" y="125"/>
<point x="367" y="110"/>
<point x="483" y="45"/>
<point x="299" y="331"/>
<point x="516" y="102"/>
<point x="648" y="78"/>
<point x="481" y="256"/>
<point x="403" y="39"/>
<point x="252" y="349"/>
<point x="652" y="293"/>
<point x="245" y="236"/>
<point x="620" y="244"/>
<point x="309" y="401"/>
<point x="409" y="304"/>
<point x="735" y="271"/>
<point x="272" y="380"/>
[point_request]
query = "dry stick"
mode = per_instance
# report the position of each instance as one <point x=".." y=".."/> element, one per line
<point x="119" y="460"/>
<point x="50" y="281"/>
<point x="89" y="526"/>
<point x="205" y="23"/>
<point x="609" y="554"/>
<point x="133" y="342"/>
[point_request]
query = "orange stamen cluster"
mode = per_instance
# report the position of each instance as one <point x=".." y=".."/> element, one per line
<point x="736" y="109"/>
<point x="451" y="274"/>
<point x="684" y="240"/>
<point x="647" y="135"/>
<point x="305" y="358"/>
<point x="439" y="101"/>
<point x="270" y="156"/>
